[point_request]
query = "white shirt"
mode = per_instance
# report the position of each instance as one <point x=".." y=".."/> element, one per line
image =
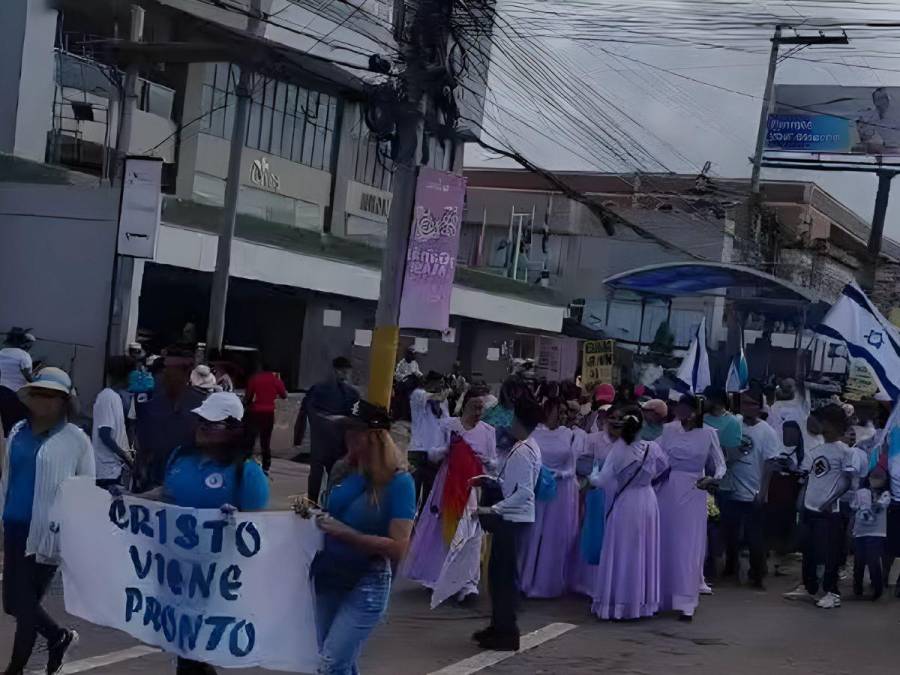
<point x="405" y="369"/>
<point x="428" y="433"/>
<point x="12" y="362"/>
<point x="518" y="478"/>
<point x="830" y="467"/>
<point x="108" y="412"/>
<point x="743" y="479"/>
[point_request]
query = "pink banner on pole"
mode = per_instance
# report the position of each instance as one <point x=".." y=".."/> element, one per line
<point x="433" y="245"/>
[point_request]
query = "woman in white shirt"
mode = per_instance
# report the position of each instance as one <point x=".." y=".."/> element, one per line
<point x="440" y="514"/>
<point x="15" y="373"/>
<point x="44" y="450"/>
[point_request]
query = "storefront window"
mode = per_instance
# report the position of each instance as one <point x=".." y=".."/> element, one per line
<point x="285" y="119"/>
<point x="260" y="203"/>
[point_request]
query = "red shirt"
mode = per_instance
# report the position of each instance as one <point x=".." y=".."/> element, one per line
<point x="262" y="390"/>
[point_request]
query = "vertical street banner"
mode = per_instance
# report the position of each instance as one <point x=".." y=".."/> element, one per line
<point x="232" y="592"/>
<point x="433" y="246"/>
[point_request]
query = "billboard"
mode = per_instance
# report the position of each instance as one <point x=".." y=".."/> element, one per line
<point x="835" y="120"/>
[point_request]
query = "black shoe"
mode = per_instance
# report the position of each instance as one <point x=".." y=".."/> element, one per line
<point x="56" y="654"/>
<point x="687" y="618"/>
<point x="500" y="643"/>
<point x="876" y="596"/>
<point x="857" y="590"/>
<point x="758" y="585"/>
<point x="897" y="591"/>
<point x="483" y="634"/>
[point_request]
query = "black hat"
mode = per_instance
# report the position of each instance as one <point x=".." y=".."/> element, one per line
<point x="341" y="363"/>
<point x="369" y="416"/>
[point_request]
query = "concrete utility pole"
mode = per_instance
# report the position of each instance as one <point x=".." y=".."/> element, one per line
<point x="768" y="96"/>
<point x="215" y="334"/>
<point x="410" y="127"/>
<point x="123" y="277"/>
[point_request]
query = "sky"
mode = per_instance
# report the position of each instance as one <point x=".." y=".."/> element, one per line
<point x="665" y="85"/>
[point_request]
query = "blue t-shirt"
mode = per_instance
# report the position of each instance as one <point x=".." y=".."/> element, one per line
<point x="199" y="482"/>
<point x="23" y="453"/>
<point x="728" y="427"/>
<point x="350" y="502"/>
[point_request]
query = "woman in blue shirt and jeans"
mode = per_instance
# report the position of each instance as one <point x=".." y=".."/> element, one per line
<point x="367" y="524"/>
<point x="216" y="473"/>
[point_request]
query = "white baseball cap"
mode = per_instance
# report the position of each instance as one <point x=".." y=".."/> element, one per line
<point x="54" y="379"/>
<point x="219" y="406"/>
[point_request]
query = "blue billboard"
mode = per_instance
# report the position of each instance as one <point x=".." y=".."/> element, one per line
<point x="809" y="133"/>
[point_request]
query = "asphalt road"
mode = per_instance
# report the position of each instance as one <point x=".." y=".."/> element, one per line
<point x="737" y="631"/>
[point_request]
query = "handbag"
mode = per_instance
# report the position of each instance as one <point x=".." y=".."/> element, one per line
<point x="545" y="488"/>
<point x="593" y="526"/>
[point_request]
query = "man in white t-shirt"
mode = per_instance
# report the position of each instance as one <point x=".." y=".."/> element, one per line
<point x="112" y="451"/>
<point x="831" y="470"/>
<point x="15" y="373"/>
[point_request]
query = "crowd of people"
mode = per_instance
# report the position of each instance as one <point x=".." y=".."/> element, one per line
<point x="623" y="495"/>
<point x="633" y="500"/>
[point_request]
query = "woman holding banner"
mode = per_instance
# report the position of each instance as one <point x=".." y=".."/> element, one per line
<point x="367" y="525"/>
<point x="217" y="472"/>
<point x="44" y="450"/>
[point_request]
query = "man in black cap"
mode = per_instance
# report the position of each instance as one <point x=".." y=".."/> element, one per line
<point x="334" y="396"/>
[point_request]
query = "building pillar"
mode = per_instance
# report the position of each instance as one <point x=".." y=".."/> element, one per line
<point x="27" y="76"/>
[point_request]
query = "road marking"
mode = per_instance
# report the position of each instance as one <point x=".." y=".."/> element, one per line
<point x="484" y="660"/>
<point x="83" y="665"/>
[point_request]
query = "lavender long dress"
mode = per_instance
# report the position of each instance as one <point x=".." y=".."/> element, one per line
<point x="547" y="547"/>
<point x="627" y="582"/>
<point x="582" y="575"/>
<point x="427" y="548"/>
<point x="682" y="513"/>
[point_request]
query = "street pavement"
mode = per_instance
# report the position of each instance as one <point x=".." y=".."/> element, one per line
<point x="736" y="631"/>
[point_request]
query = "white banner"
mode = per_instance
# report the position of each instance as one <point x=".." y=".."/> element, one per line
<point x="233" y="593"/>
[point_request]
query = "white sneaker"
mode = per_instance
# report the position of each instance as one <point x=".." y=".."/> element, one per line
<point x="799" y="593"/>
<point x="706" y="589"/>
<point x="829" y="601"/>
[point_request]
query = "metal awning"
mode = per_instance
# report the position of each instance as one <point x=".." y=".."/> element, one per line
<point x="710" y="278"/>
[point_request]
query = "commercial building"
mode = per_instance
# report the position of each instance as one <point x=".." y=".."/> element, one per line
<point x="315" y="184"/>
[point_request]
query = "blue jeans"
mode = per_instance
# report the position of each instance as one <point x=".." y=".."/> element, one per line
<point x="345" y="618"/>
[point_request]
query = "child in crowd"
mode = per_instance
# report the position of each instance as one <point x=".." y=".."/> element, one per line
<point x="830" y="472"/>
<point x="870" y="532"/>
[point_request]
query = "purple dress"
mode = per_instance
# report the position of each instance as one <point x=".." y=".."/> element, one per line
<point x="582" y="574"/>
<point x="427" y="548"/>
<point x="547" y="546"/>
<point x="682" y="513"/>
<point x="627" y="581"/>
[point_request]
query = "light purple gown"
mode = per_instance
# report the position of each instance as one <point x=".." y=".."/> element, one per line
<point x="627" y="581"/>
<point x="427" y="548"/>
<point x="582" y="575"/>
<point x="546" y="551"/>
<point x="682" y="513"/>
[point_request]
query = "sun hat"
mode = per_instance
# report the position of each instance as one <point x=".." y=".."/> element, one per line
<point x="657" y="406"/>
<point x="52" y="379"/>
<point x="202" y="378"/>
<point x="220" y="406"/>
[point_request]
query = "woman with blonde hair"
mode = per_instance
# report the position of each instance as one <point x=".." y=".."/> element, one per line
<point x="367" y="522"/>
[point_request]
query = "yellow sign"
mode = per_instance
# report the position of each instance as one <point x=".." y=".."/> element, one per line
<point x="598" y="364"/>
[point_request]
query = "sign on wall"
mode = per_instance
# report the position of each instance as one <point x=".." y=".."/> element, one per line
<point x="191" y="581"/>
<point x="368" y="202"/>
<point x="140" y="208"/>
<point x="433" y="246"/>
<point x="835" y="119"/>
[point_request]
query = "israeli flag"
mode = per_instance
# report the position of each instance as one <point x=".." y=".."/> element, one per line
<point x="738" y="374"/>
<point x="855" y="321"/>
<point x="693" y="374"/>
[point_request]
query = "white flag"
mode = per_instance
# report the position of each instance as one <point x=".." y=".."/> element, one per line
<point x="693" y="373"/>
<point x="462" y="566"/>
<point x="855" y="321"/>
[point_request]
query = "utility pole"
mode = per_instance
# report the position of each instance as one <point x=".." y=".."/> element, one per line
<point x="123" y="274"/>
<point x="410" y="128"/>
<point x="768" y="95"/>
<point x="877" y="232"/>
<point x="215" y="334"/>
